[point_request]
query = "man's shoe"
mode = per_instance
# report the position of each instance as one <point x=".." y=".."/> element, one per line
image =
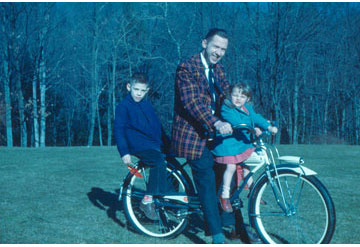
<point x="253" y="237"/>
<point x="225" y="204"/>
<point x="234" y="235"/>
<point x="149" y="210"/>
<point x="218" y="238"/>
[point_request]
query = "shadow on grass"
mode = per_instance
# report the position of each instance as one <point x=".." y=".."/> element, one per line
<point x="195" y="227"/>
<point x="106" y="201"/>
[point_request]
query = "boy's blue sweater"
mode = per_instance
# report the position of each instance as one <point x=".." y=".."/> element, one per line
<point x="136" y="127"/>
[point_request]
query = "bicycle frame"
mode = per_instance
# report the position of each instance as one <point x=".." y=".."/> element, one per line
<point x="267" y="159"/>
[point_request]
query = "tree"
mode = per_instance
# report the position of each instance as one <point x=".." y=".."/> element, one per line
<point x="10" y="48"/>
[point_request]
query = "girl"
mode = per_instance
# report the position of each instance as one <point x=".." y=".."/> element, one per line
<point x="237" y="147"/>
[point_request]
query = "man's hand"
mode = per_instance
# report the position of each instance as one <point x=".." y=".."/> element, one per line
<point x="223" y="127"/>
<point x="127" y="159"/>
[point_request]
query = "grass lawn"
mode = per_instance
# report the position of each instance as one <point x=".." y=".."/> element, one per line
<point x="68" y="195"/>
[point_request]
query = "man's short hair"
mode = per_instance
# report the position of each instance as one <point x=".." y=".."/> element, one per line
<point x="216" y="31"/>
<point x="139" y="77"/>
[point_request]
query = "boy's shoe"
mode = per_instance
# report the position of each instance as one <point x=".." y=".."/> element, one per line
<point x="225" y="204"/>
<point x="149" y="210"/>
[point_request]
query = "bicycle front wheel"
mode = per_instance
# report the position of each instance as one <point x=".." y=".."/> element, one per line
<point x="171" y="220"/>
<point x="292" y="209"/>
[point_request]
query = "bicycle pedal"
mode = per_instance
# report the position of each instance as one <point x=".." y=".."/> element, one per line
<point x="237" y="204"/>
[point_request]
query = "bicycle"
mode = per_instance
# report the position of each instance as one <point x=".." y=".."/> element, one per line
<point x="298" y="207"/>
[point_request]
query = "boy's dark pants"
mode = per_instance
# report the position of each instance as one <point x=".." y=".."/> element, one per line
<point x="157" y="178"/>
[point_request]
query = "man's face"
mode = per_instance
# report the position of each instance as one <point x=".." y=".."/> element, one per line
<point x="214" y="49"/>
<point x="137" y="90"/>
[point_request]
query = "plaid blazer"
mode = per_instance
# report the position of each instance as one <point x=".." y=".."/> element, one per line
<point x="192" y="107"/>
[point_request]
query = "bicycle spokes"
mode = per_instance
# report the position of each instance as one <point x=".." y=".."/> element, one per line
<point x="296" y="212"/>
<point x="288" y="194"/>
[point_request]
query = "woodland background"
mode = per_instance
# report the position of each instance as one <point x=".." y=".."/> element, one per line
<point x="64" y="66"/>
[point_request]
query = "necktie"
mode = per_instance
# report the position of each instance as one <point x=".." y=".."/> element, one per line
<point x="212" y="89"/>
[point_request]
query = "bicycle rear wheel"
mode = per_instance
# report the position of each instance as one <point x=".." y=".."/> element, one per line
<point x="171" y="220"/>
<point x="305" y="215"/>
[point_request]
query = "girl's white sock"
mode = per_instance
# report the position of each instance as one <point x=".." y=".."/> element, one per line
<point x="225" y="192"/>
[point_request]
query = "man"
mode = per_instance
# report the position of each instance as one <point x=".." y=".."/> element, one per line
<point x="199" y="84"/>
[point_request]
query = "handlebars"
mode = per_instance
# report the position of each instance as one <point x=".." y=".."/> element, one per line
<point x="242" y="127"/>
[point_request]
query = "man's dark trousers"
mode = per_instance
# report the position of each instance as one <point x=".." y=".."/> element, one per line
<point x="204" y="178"/>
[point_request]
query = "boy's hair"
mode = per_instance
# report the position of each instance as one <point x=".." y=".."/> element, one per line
<point x="139" y="77"/>
<point x="244" y="88"/>
<point x="216" y="31"/>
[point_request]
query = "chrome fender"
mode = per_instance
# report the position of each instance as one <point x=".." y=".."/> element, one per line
<point x="302" y="170"/>
<point x="295" y="163"/>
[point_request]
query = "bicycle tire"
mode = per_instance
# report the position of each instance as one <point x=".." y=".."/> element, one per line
<point x="169" y="224"/>
<point x="311" y="216"/>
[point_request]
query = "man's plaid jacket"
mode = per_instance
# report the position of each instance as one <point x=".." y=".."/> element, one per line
<point x="192" y="107"/>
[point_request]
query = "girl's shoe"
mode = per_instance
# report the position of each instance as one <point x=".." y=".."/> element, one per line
<point x="225" y="204"/>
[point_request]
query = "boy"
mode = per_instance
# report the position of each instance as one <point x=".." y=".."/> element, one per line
<point x="138" y="132"/>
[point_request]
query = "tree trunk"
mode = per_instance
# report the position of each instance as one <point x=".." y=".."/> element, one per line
<point x="109" y="119"/>
<point x="303" y="116"/>
<point x="42" y="100"/>
<point x="54" y="129"/>
<point x="92" y="123"/>
<point x="54" y="132"/>
<point x="35" y="112"/>
<point x="357" y="120"/>
<point x="312" y="118"/>
<point x="343" y="121"/>
<point x="94" y="79"/>
<point x="290" y="122"/>
<point x="20" y="97"/>
<point x="274" y="73"/>
<point x="42" y="72"/>
<point x="111" y="98"/>
<point x="68" y="134"/>
<point x="278" y="116"/>
<point x="69" y="119"/>
<point x="99" y="125"/>
<point x="327" y="95"/>
<point x="295" y="107"/>
<point x="9" y="137"/>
